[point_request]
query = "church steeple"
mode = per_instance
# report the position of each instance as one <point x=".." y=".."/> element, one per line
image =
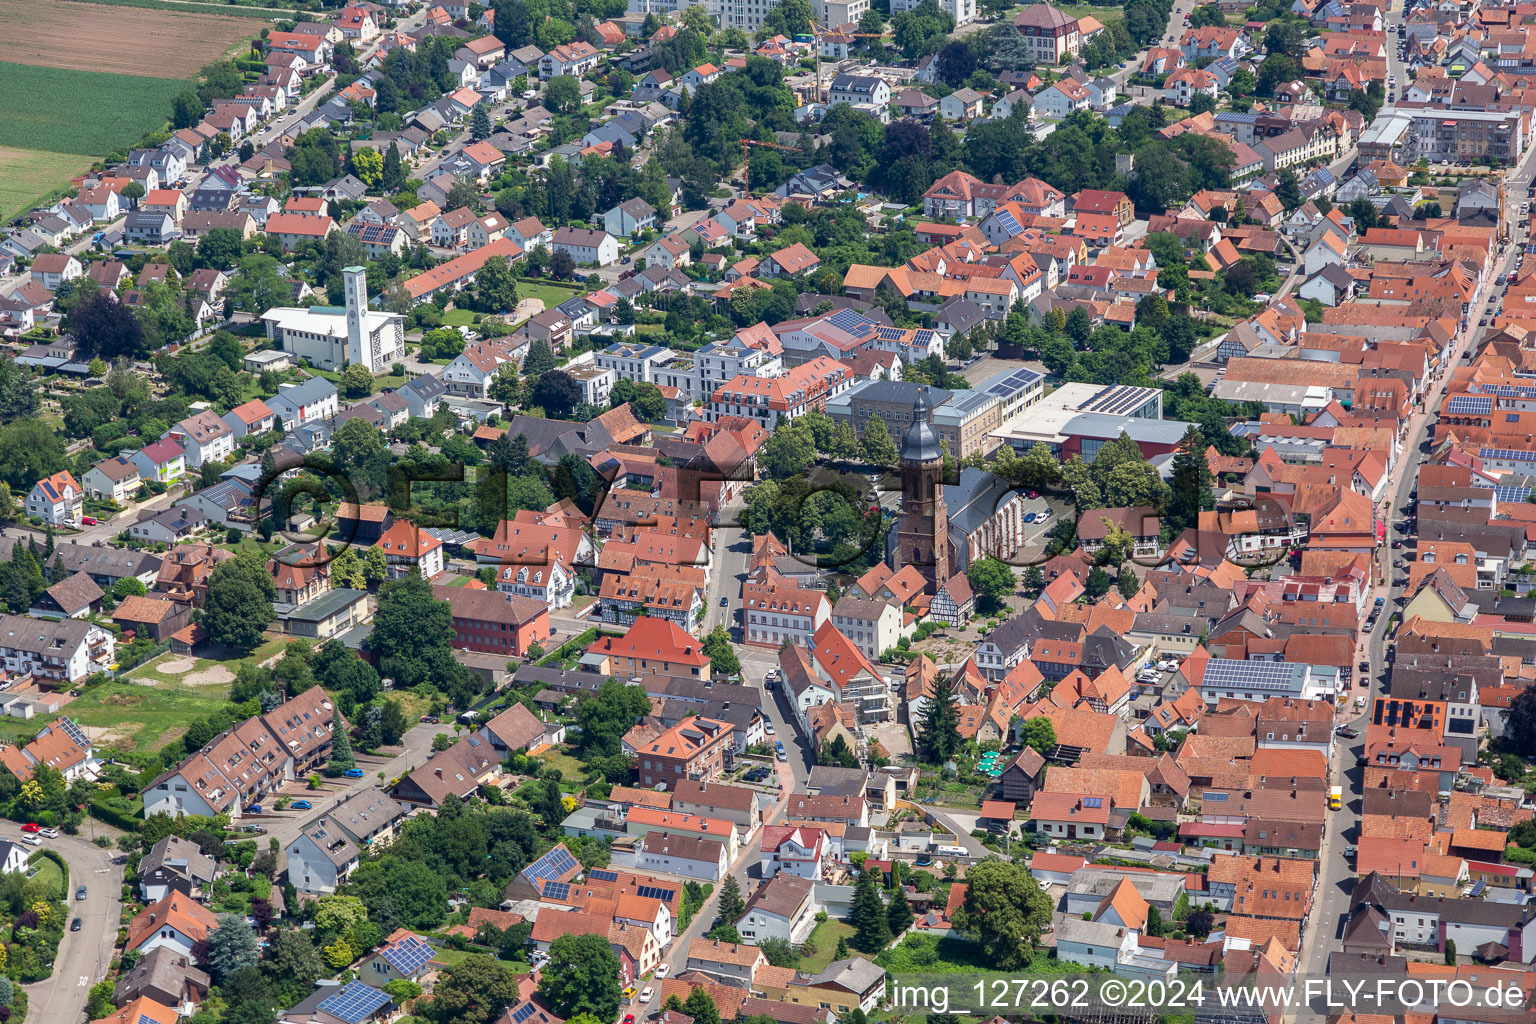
<point x="922" y="534"/>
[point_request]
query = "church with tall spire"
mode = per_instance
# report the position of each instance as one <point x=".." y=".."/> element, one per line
<point x="922" y="532"/>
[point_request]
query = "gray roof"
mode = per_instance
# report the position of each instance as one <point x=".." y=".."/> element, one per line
<point x="855" y="974"/>
<point x="361" y="813"/>
<point x="182" y="856"/>
<point x="920" y="442"/>
<point x="307" y="392"/>
<point x="973" y="499"/>
<point x="332" y="842"/>
<point x="830" y="780"/>
<point x="104" y="561"/>
<point x="425" y="385"/>
<point x="326" y="605"/>
<point x="163" y="969"/>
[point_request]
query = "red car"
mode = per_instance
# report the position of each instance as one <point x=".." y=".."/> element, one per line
<point x="629" y="1018"/>
<point x="31" y="827"/>
<point x="90" y="521"/>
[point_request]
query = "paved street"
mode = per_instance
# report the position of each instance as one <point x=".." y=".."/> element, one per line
<point x="1337" y="873"/>
<point x="285" y="826"/>
<point x="84" y="955"/>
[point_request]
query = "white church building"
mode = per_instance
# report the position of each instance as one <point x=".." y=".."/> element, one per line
<point x="331" y="337"/>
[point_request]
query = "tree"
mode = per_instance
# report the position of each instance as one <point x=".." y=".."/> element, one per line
<point x="562" y="95"/>
<point x="898" y="912"/>
<point x="341" y="744"/>
<point x="722" y="657"/>
<point x="1191" y="488"/>
<point x="1097" y="583"/>
<point x="1039" y="734"/>
<point x="700" y="1005"/>
<point x="1199" y="923"/>
<point x="495" y="287"/>
<point x="876" y="443"/>
<point x="992" y="579"/>
<point x="186" y="110"/>
<point x="477" y="989"/>
<point x="562" y="265"/>
<point x="231" y="947"/>
<point x="128" y="586"/>
<point x="356" y="381"/>
<point x="1520" y="724"/>
<point x="480" y="123"/>
<point x="835" y="752"/>
<point x="557" y="393"/>
<point x="239" y="603"/>
<point x="779" y="952"/>
<point x="107" y="328"/>
<point x="941" y="722"/>
<point x="368" y="165"/>
<point x="1154" y="925"/>
<point x="98" y="1003"/>
<point x="582" y="976"/>
<point x="392" y="174"/>
<point x="1450" y="952"/>
<point x="841" y="951"/>
<point x="221" y="248"/>
<point x="358" y="451"/>
<point x="871" y="927"/>
<point x="731" y="905"/>
<point x="1004" y="910"/>
<point x="413" y="635"/>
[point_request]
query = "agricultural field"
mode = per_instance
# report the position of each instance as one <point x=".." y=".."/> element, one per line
<point x="26" y="174"/>
<point x="82" y="80"/>
<point x="115" y="40"/>
<point x="59" y="110"/>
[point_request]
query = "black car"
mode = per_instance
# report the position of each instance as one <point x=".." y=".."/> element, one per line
<point x="725" y="602"/>
<point x="74" y="925"/>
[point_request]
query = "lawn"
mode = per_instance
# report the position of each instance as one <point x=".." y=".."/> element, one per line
<point x="86" y="112"/>
<point x="27" y="175"/>
<point x="48" y="871"/>
<point x="570" y="768"/>
<point x="551" y="294"/>
<point x="825" y="936"/>
<point x="459" y="318"/>
<point x="133" y="716"/>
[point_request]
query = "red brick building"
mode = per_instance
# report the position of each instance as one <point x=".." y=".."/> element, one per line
<point x="494" y="623"/>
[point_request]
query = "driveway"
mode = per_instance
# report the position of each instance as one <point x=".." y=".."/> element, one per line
<point x="83" y="955"/>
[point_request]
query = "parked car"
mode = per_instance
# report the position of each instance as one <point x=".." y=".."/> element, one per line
<point x="74" y="925"/>
<point x="301" y="805"/>
<point x="768" y="728"/>
<point x="32" y="840"/>
<point x="661" y="972"/>
<point x="80" y="893"/>
<point x="90" y="521"/>
<point x="49" y="833"/>
<point x="353" y="773"/>
<point x="646" y="993"/>
<point x="31" y="827"/>
<point x="254" y="809"/>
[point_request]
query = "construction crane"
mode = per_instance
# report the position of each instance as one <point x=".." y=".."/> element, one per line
<point x="746" y="170"/>
<point x="817" y="32"/>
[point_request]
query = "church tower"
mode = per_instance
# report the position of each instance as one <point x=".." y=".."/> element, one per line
<point x="922" y="534"/>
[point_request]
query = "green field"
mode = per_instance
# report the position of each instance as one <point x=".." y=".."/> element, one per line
<point x="239" y="11"/>
<point x="88" y="112"/>
<point x="26" y="175"/>
<point x="551" y="294"/>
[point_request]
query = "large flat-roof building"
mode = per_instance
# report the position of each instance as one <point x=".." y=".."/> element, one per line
<point x="1077" y="419"/>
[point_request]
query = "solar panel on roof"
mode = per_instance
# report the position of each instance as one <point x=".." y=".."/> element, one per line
<point x="848" y="320"/>
<point x="1514" y="494"/>
<point x="1252" y="675"/>
<point x="355" y="1002"/>
<point x="552" y="865"/>
<point x="557" y="890"/>
<point x="655" y="892"/>
<point x="523" y="1012"/>
<point x="409" y="955"/>
<point x="604" y="875"/>
<point x="1093" y="801"/>
<point x="1463" y="405"/>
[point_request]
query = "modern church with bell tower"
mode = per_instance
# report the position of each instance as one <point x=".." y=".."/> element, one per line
<point x="922" y="533"/>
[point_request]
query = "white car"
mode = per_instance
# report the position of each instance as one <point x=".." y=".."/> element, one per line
<point x="31" y="840"/>
<point x="768" y="728"/>
<point x="49" y="833"/>
<point x="646" y="993"/>
<point x="661" y="972"/>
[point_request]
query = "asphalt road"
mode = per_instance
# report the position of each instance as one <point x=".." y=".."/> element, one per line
<point x="84" y="955"/>
<point x="1336" y="872"/>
